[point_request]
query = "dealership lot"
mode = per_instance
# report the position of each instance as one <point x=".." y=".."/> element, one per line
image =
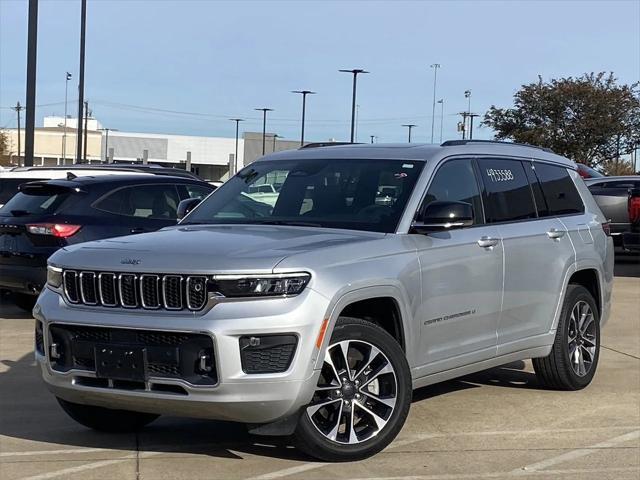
<point x="494" y="424"/>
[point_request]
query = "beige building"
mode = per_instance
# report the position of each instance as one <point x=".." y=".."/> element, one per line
<point x="48" y="146"/>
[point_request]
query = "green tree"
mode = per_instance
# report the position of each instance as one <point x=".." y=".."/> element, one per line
<point x="590" y="119"/>
<point x="4" y="148"/>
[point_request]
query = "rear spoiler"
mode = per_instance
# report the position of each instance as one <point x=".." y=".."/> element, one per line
<point x="49" y="187"/>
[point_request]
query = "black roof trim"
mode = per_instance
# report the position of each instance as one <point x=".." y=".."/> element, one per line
<point x="455" y="143"/>
<point x="326" y="144"/>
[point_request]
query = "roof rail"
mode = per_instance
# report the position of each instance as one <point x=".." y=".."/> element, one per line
<point x="326" y="144"/>
<point x="453" y="143"/>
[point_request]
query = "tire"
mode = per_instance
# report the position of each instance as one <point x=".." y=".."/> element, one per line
<point x="561" y="369"/>
<point x="379" y="382"/>
<point x="105" y="419"/>
<point x="24" y="301"/>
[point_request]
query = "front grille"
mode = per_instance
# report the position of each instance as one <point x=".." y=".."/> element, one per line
<point x="131" y="290"/>
<point x="174" y="355"/>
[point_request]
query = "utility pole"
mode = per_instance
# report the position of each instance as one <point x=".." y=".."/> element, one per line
<point x="32" y="57"/>
<point x="83" y="30"/>
<point x="304" y="94"/>
<point x="373" y="137"/>
<point x="18" y="108"/>
<point x="441" y="102"/>
<point x="106" y="143"/>
<point x="410" y="126"/>
<point x="86" y="123"/>
<point x="234" y="169"/>
<point x="275" y="136"/>
<point x="355" y="73"/>
<point x="435" y="67"/>
<point x="462" y="126"/>
<point x="264" y="125"/>
<point x="471" y="117"/>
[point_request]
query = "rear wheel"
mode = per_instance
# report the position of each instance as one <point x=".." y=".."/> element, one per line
<point x="362" y="398"/>
<point x="573" y="360"/>
<point x="106" y="419"/>
<point x="24" y="301"/>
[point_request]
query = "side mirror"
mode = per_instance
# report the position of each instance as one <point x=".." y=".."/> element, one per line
<point x="439" y="216"/>
<point x="185" y="206"/>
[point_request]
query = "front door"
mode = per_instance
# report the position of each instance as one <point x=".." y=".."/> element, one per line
<point x="461" y="275"/>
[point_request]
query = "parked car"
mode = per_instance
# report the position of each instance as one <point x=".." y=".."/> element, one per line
<point x="47" y="215"/>
<point x="619" y="200"/>
<point x="588" y="172"/>
<point x="11" y="179"/>
<point x="318" y="316"/>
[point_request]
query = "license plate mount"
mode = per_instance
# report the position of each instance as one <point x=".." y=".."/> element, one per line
<point x="121" y="362"/>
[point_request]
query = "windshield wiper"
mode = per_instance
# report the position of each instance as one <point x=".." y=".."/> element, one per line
<point x="292" y="223"/>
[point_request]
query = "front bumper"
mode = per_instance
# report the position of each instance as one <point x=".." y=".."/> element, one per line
<point x="238" y="396"/>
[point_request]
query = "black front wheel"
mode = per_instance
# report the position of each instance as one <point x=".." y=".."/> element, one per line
<point x="106" y="419"/>
<point x="362" y="397"/>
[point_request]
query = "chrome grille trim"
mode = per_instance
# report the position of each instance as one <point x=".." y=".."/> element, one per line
<point x="157" y="293"/>
<point x="90" y="276"/>
<point x="190" y="279"/>
<point x="114" y="283"/>
<point x="133" y="290"/>
<point x="165" y="289"/>
<point x="74" y="278"/>
<point x="149" y="291"/>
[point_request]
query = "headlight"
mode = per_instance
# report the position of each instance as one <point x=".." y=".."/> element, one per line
<point x="268" y="285"/>
<point x="54" y="277"/>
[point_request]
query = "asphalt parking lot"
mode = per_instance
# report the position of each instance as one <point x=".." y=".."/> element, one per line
<point x="495" y="424"/>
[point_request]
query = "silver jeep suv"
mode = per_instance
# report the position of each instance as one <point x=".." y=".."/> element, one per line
<point x="371" y="270"/>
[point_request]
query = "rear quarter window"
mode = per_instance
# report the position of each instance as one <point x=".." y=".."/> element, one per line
<point x="507" y="191"/>
<point x="559" y="191"/>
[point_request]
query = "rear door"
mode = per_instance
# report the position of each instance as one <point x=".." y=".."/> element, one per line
<point x="537" y="251"/>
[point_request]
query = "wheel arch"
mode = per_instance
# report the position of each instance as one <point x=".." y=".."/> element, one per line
<point x="590" y="276"/>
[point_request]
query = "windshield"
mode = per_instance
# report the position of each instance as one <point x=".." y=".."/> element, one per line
<point x="349" y="194"/>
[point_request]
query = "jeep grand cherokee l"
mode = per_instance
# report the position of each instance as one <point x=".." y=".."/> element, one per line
<point x="316" y="316"/>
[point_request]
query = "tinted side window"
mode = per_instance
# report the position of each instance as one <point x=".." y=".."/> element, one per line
<point x="143" y="201"/>
<point x="198" y="191"/>
<point x="559" y="190"/>
<point x="455" y="181"/>
<point x="507" y="189"/>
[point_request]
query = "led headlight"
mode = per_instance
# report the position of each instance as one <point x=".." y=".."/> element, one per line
<point x="54" y="277"/>
<point x="268" y="285"/>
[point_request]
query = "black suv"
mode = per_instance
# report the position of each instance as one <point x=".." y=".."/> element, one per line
<point x="47" y="215"/>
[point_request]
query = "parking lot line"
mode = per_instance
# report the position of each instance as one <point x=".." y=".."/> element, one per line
<point x="579" y="452"/>
<point x="55" y="452"/>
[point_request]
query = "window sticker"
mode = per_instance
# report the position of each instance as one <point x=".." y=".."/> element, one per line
<point x="407" y="165"/>
<point x="500" y="175"/>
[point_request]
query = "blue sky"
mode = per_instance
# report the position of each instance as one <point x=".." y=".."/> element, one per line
<point x="223" y="59"/>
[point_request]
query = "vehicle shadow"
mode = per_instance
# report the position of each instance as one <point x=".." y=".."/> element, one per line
<point x="627" y="265"/>
<point x="9" y="310"/>
<point x="30" y="413"/>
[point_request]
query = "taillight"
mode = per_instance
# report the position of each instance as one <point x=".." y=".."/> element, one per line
<point x="634" y="209"/>
<point x="606" y="228"/>
<point x="60" y="230"/>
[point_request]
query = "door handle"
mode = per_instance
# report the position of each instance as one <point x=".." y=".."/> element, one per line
<point x="555" y="233"/>
<point x="487" y="242"/>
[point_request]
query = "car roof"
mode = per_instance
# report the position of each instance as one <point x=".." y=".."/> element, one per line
<point x="420" y="151"/>
<point x="150" y="168"/>
<point x="120" y="179"/>
<point x="632" y="178"/>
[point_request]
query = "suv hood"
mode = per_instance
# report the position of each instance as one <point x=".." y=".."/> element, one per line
<point x="205" y="248"/>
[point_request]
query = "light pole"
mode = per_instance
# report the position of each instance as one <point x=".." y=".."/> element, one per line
<point x="264" y="125"/>
<point x="471" y="117"/>
<point x="275" y="136"/>
<point x="355" y="73"/>
<point x="18" y="108"/>
<point x="106" y="141"/>
<point x="304" y="94"/>
<point x="64" y="134"/>
<point x="435" y="67"/>
<point x="30" y="113"/>
<point x="467" y="95"/>
<point x="83" y="30"/>
<point x="373" y="137"/>
<point x="441" y="102"/>
<point x="235" y="158"/>
<point x="410" y="126"/>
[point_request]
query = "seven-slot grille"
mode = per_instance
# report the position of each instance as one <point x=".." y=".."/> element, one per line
<point x="131" y="290"/>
